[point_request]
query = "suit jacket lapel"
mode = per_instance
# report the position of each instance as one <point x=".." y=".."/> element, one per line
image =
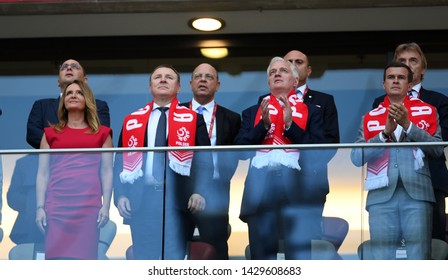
<point x="56" y="106"/>
<point x="219" y="125"/>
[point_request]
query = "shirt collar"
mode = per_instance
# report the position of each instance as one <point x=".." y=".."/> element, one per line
<point x="209" y="106"/>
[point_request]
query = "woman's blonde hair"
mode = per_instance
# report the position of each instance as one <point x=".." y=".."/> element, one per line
<point x="90" y="112"/>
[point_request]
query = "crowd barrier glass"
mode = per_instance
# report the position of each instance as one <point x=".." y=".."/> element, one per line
<point x="241" y="180"/>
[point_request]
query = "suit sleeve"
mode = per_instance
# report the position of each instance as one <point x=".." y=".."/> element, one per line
<point x="359" y="156"/>
<point x="35" y="125"/>
<point x="331" y="124"/>
<point x="442" y="110"/>
<point x="250" y="134"/>
<point x="16" y="193"/>
<point x="118" y="188"/>
<point x="103" y="112"/>
<point x="202" y="166"/>
<point x="314" y="132"/>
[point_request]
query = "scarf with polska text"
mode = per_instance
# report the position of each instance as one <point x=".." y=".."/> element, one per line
<point x="181" y="133"/>
<point x="275" y="157"/>
<point x="421" y="114"/>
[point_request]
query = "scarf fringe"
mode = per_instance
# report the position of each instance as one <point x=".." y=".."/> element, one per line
<point x="376" y="182"/>
<point x="179" y="168"/>
<point x="130" y="177"/>
<point x="418" y="161"/>
<point x="275" y="158"/>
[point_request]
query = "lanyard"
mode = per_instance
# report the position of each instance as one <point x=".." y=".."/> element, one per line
<point x="212" y="122"/>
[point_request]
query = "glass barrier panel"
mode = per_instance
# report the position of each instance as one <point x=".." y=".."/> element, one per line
<point x="211" y="203"/>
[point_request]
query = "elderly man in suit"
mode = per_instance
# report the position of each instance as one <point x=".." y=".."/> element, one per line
<point x="400" y="194"/>
<point x="45" y="111"/>
<point x="158" y="194"/>
<point x="412" y="55"/>
<point x="276" y="203"/>
<point x="222" y="126"/>
<point x="318" y="175"/>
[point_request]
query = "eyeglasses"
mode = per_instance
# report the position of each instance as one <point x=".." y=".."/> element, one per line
<point x="208" y="76"/>
<point x="72" y="65"/>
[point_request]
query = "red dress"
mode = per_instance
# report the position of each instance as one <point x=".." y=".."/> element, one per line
<point x="73" y="196"/>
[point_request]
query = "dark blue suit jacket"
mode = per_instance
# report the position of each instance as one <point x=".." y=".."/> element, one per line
<point x="181" y="187"/>
<point x="22" y="198"/>
<point x="254" y="135"/>
<point x="437" y="167"/>
<point x="45" y="112"/>
<point x="228" y="124"/>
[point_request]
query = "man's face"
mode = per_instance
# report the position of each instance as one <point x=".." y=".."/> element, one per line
<point x="281" y="78"/>
<point x="396" y="82"/>
<point x="164" y="84"/>
<point x="300" y="60"/>
<point x="70" y="71"/>
<point x="412" y="59"/>
<point x="204" y="82"/>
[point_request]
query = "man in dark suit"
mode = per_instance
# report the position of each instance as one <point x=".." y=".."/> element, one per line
<point x="400" y="195"/>
<point x="159" y="196"/>
<point x="412" y="55"/>
<point x="222" y="126"/>
<point x="21" y="197"/>
<point x="319" y="174"/>
<point x="44" y="111"/>
<point x="277" y="203"/>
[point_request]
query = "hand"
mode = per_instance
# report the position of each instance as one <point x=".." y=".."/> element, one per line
<point x="196" y="203"/>
<point x="41" y="219"/>
<point x="265" y="113"/>
<point x="124" y="207"/>
<point x="103" y="216"/>
<point x="287" y="111"/>
<point x="399" y="113"/>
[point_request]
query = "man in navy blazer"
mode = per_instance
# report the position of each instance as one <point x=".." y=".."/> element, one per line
<point x="161" y="213"/>
<point x="277" y="203"/>
<point x="21" y="197"/>
<point x="325" y="102"/>
<point x="45" y="111"/>
<point x="412" y="55"/>
<point x="222" y="126"/>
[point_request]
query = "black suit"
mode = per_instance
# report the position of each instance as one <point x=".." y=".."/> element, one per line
<point x="149" y="223"/>
<point x="277" y="203"/>
<point x="437" y="167"/>
<point x="45" y="112"/>
<point x="214" y="220"/>
<point x="22" y="198"/>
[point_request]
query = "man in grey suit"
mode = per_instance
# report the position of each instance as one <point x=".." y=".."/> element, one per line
<point x="412" y="55"/>
<point x="400" y="194"/>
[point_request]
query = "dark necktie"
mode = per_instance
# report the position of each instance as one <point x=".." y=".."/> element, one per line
<point x="160" y="141"/>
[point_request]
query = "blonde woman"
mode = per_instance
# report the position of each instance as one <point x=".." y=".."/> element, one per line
<point x="74" y="189"/>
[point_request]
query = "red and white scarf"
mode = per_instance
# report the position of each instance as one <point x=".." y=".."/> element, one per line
<point x="420" y="113"/>
<point x="286" y="157"/>
<point x="181" y="133"/>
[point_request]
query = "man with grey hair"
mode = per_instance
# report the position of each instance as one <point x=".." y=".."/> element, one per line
<point x="276" y="203"/>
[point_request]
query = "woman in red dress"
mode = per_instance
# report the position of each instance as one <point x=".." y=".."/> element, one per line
<point x="74" y="189"/>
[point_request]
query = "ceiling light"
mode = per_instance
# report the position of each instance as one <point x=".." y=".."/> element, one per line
<point x="206" y="24"/>
<point x="214" y="53"/>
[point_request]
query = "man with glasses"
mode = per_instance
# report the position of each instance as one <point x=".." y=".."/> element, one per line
<point x="44" y="111"/>
<point x="222" y="127"/>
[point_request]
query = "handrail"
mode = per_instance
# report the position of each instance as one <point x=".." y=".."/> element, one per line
<point x="226" y="148"/>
